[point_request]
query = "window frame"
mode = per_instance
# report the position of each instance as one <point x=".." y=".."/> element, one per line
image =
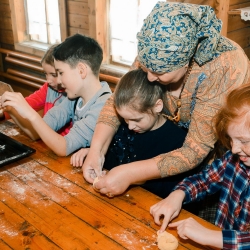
<point x="98" y="29"/>
<point x="21" y="41"/>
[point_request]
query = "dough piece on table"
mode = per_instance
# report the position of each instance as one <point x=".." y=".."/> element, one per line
<point x="95" y="181"/>
<point x="167" y="241"/>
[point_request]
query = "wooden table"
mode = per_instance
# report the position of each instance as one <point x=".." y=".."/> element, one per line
<point x="46" y="204"/>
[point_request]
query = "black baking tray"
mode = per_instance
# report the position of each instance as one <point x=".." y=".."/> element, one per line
<point x="12" y="150"/>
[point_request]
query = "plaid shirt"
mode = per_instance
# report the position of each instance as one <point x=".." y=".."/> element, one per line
<point x="231" y="178"/>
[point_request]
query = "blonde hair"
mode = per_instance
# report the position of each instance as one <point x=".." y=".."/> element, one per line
<point x="48" y="57"/>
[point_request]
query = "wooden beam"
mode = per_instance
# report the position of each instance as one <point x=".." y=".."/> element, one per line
<point x="63" y="19"/>
<point x="222" y="8"/>
<point x="98" y="24"/>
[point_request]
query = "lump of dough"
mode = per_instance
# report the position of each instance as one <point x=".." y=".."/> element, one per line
<point x="95" y="181"/>
<point x="167" y="241"/>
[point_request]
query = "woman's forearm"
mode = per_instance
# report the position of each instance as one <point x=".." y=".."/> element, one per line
<point x="93" y="163"/>
<point x="102" y="137"/>
<point x="141" y="171"/>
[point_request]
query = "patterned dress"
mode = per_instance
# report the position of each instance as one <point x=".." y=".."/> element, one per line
<point x="203" y="95"/>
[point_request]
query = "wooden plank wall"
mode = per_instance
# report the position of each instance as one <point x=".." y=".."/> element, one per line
<point x="77" y="16"/>
<point x="238" y="29"/>
<point x="6" y="34"/>
<point x="78" y="21"/>
<point x="201" y="2"/>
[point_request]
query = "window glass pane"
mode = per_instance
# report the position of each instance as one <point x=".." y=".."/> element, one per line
<point x="123" y="29"/>
<point x="36" y="11"/>
<point x="122" y="24"/>
<point x="43" y="21"/>
<point x="144" y="9"/>
<point x="52" y="12"/>
<point x="38" y="32"/>
<point x="126" y="18"/>
<point x="54" y="34"/>
<point x="123" y="51"/>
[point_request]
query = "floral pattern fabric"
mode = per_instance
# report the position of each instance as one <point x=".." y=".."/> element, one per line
<point x="175" y="32"/>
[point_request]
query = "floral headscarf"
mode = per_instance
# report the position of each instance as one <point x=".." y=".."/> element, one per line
<point x="173" y="33"/>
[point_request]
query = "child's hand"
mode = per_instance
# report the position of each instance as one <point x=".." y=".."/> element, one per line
<point x="191" y="229"/>
<point x="78" y="158"/>
<point x="1" y="114"/>
<point x="169" y="208"/>
<point x="15" y="100"/>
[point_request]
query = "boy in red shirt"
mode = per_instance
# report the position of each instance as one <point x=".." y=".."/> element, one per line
<point x="51" y="93"/>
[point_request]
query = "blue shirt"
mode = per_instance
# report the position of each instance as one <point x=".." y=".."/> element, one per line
<point x="84" y="121"/>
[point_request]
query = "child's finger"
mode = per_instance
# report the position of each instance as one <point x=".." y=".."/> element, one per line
<point x="164" y="223"/>
<point x="175" y="224"/>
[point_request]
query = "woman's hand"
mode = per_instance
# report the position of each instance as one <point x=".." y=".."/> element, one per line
<point x="115" y="182"/>
<point x="169" y="208"/>
<point x="15" y="100"/>
<point x="78" y="158"/>
<point x="191" y="229"/>
<point x="92" y="166"/>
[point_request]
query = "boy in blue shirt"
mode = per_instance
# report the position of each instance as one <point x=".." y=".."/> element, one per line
<point x="77" y="62"/>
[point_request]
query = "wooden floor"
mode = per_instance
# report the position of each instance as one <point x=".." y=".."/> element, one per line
<point x="46" y="204"/>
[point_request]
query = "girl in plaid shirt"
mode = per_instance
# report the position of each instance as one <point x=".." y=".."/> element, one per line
<point x="229" y="175"/>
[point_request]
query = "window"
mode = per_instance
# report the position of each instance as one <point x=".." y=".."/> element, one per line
<point x="43" y="22"/>
<point x="126" y="19"/>
<point x="38" y="24"/>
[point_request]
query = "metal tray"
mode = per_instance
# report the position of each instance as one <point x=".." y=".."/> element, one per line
<point x="12" y="150"/>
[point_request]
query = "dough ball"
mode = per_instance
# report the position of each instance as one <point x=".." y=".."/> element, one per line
<point x="95" y="181"/>
<point x="167" y="241"/>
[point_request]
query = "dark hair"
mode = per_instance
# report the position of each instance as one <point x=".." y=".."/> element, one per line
<point x="48" y="57"/>
<point x="135" y="90"/>
<point x="237" y="106"/>
<point x="80" y="48"/>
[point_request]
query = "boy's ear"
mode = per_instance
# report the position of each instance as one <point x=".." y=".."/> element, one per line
<point x="158" y="106"/>
<point x="82" y="69"/>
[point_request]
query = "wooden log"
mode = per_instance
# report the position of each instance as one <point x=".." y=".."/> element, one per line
<point x="235" y="2"/>
<point x="5" y="9"/>
<point x="73" y="30"/>
<point x="235" y="22"/>
<point x="5" y="23"/>
<point x="78" y="21"/>
<point x="6" y="36"/>
<point x="77" y="8"/>
<point x="242" y="37"/>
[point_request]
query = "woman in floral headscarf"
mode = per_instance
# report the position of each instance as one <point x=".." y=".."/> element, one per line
<point x="180" y="46"/>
